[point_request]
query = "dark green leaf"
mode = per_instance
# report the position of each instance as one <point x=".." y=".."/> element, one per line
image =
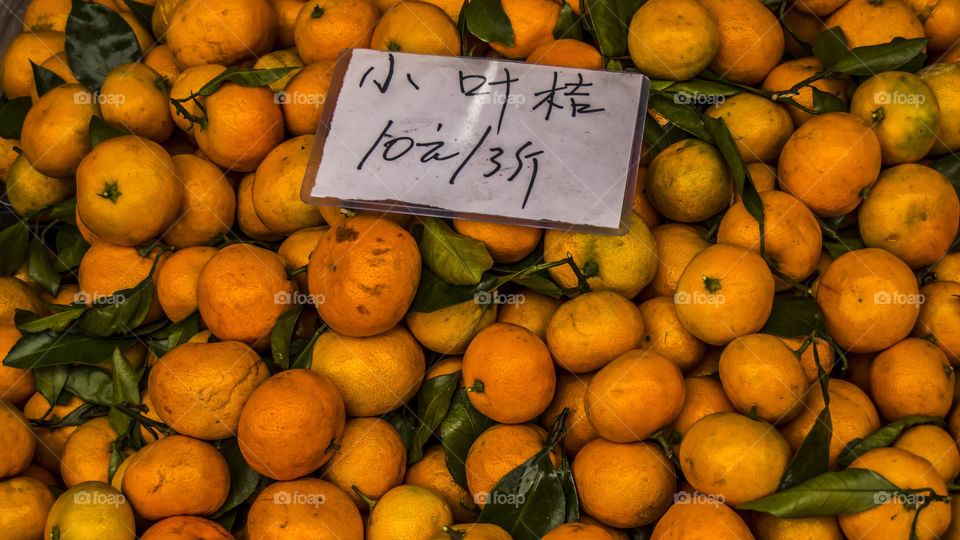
<point x="459" y="428"/>
<point x="540" y="283"/>
<point x="243" y="479"/>
<point x="456" y="259"/>
<point x="487" y="20"/>
<point x="813" y="456"/>
<point x="143" y="13"/>
<point x="528" y="502"/>
<point x="91" y="384"/>
<point x="304" y="358"/>
<point x="611" y="21"/>
<point x="741" y="177"/>
<point x="883" y="437"/>
<point x="829" y="494"/>
<point x="435" y="293"/>
<point x="40" y="267"/>
<point x="120" y="312"/>
<point x="571" y="501"/>
<point x="404" y="425"/>
<point x="12" y="114"/>
<point x="116" y="458"/>
<point x="830" y="46"/>
<point x="50" y="382"/>
<point x="825" y="102"/>
<point x="54" y="349"/>
<point x="101" y="130"/>
<point x="282" y="334"/>
<point x="165" y="339"/>
<point x="126" y="387"/>
<point x="794" y="317"/>
<point x="872" y="59"/>
<point x="659" y="138"/>
<point x="65" y="211"/>
<point x="701" y="91"/>
<point x="248" y="77"/>
<point x="227" y="520"/>
<point x="98" y="40"/>
<point x="44" y="79"/>
<point x="14" y="244"/>
<point x="70" y="248"/>
<point x="568" y="25"/>
<point x="681" y="115"/>
<point x="29" y="322"/>
<point x="847" y="241"/>
<point x="433" y="402"/>
<point x="948" y="165"/>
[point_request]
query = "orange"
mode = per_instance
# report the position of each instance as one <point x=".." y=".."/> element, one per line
<point x="586" y="333"/>
<point x="16" y="385"/>
<point x="431" y="472"/>
<point x="496" y="452"/>
<point x="941" y="21"/>
<point x="8" y="155"/>
<point x="449" y="330"/>
<point x="207" y="206"/>
<point x="701" y="520"/>
<point x="50" y="442"/>
<point x="296" y="250"/>
<point x="769" y="527"/>
<point x="304" y="508"/>
<point x="304" y="96"/>
<point x="533" y="312"/>
<point x="762" y="376"/>
<point x="408" y="512"/>
<point x="567" y="53"/>
<point x="281" y="58"/>
<point x="764" y="177"/>
<point x="91" y="511"/>
<point x="665" y="335"/>
<point x="580" y="531"/>
<point x="672" y="39"/>
<point x="247" y="218"/>
<point x="935" y="445"/>
<point x="689" y="181"/>
<point x="57" y="63"/>
<point x="474" y="531"/>
<point x="46" y="15"/>
<point x="176" y="281"/>
<point x="186" y="528"/>
<point x="508" y="374"/>
<point x="127" y="190"/>
<point x="866" y="22"/>
<point x="634" y="396"/>
<point x="624" y="485"/>
<point x="55" y="134"/>
<point x="276" y="188"/>
<point x="570" y="393"/>
<point x="759" y="126"/>
<point x="325" y="27"/>
<point x="18" y="441"/>
<point x="750" y="40"/>
<point x="290" y="424"/>
<point x="912" y="377"/>
<point x="160" y="59"/>
<point x="731" y="456"/>
<point x="185" y="84"/>
<point x="677" y="244"/>
<point x="829" y="162"/>
<point x="791" y="235"/>
<point x="86" y="456"/>
<point x="199" y="389"/>
<point x="819" y="8"/>
<point x="151" y="413"/>
<point x="641" y="203"/>
<point x="808" y="361"/>
<point x="176" y="475"/>
<point x="233" y="113"/>
<point x="851" y="412"/>
<point x="29" y="190"/>
<point x="506" y="243"/>
<point x="247" y="312"/>
<point x="375" y="374"/>
<point x="704" y="396"/>
<point x="786" y="75"/>
<point x="939" y="319"/>
<point x="416" y="27"/>
<point x="133" y="98"/>
<point x="947" y="268"/>
<point x="14" y="295"/>
<point x="371" y="458"/>
<point x="903" y="112"/>
<point x="108" y="268"/>
<point x="367" y="270"/>
<point x="16" y="74"/>
<point x="892" y="518"/>
<point x="220" y="31"/>
<point x="869" y="299"/>
<point x="287" y="11"/>
<point x="806" y="27"/>
<point x="532" y="21"/>
<point x="724" y="292"/>
<point x="944" y="80"/>
<point x="913" y="212"/>
<point x="24" y="504"/>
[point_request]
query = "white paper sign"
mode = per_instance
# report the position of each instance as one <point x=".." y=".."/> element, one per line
<point x="477" y="138"/>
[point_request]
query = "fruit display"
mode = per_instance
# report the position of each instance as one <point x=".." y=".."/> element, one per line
<point x="190" y="350"/>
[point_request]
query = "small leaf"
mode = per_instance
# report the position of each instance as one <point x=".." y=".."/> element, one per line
<point x="681" y="115"/>
<point x="825" y="102"/>
<point x="281" y="335"/>
<point x="97" y="40"/>
<point x="404" y="426"/>
<point x="570" y="498"/>
<point x="54" y="349"/>
<point x="65" y="211"/>
<point x="883" y="437"/>
<point x="568" y="24"/>
<point x="846" y="242"/>
<point x="243" y="479"/>
<point x="116" y="458"/>
<point x="101" y="130"/>
<point x="456" y="259"/>
<point x="459" y="428"/>
<point x="742" y="182"/>
<point x="813" y="456"/>
<point x="50" y="382"/>
<point x="120" y="312"/>
<point x="948" y="165"/>
<point x="248" y="77"/>
<point x="304" y="358"/>
<point x="12" y="114"/>
<point x="794" y="317"/>
<point x="487" y="20"/>
<point x="40" y="267"/>
<point x="44" y="79"/>
<point x="872" y="59"/>
<point x="14" y="244"/>
<point x="29" y="323"/>
<point x="91" y="384"/>
<point x="829" y="494"/>
<point x="70" y="248"/>
<point x="830" y="46"/>
<point x="611" y="21"/>
<point x="126" y="388"/>
<point x="529" y="501"/>
<point x="143" y="13"/>
<point x="433" y="401"/>
<point x="702" y="91"/>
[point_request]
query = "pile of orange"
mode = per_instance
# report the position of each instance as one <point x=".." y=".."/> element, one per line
<point x="291" y="371"/>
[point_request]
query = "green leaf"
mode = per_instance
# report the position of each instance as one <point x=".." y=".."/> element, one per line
<point x="65" y="211"/>
<point x="101" y="130"/>
<point x="116" y="458"/>
<point x="143" y="13"/>
<point x="40" y="267"/>
<point x="845" y="242"/>
<point x="98" y="40"/>
<point x="404" y="425"/>
<point x="91" y="384"/>
<point x="830" y="46"/>
<point x="611" y="22"/>
<point x="70" y="248"/>
<point x="227" y="520"/>
<point x="741" y="177"/>
<point x="681" y="115"/>
<point x="165" y="339"/>
<point x="570" y="498"/>
<point x="281" y="335"/>
<point x="243" y="479"/>
<point x="435" y="293"/>
<point x="487" y="20"/>
<point x="870" y="60"/>
<point x="248" y="77"/>
<point x="794" y="317"/>
<point x="813" y="455"/>
<point x="50" y="382"/>
<point x="126" y="387"/>
<point x="54" y="349"/>
<point x="948" y="165"/>
<point x="120" y="312"/>
<point x="28" y="322"/>
<point x="304" y="358"/>
<point x="529" y="501"/>
<point x="829" y="494"/>
<point x="883" y="437"/>
<point x="44" y="79"/>
<point x="433" y="401"/>
<point x="12" y="114"/>
<point x="568" y="25"/>
<point x="14" y="243"/>
<point x="700" y="90"/>
<point x="825" y="102"/>
<point x="459" y="428"/>
<point x="456" y="259"/>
